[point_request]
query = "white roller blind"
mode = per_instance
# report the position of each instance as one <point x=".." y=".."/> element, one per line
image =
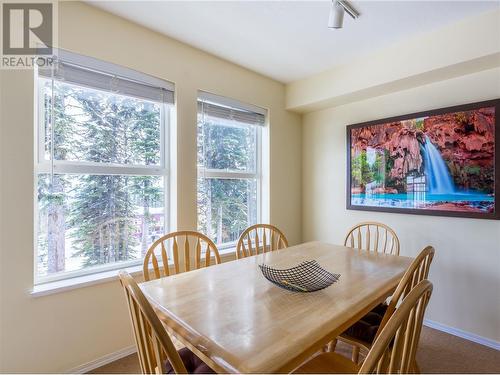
<point x="228" y="109"/>
<point x="87" y="76"/>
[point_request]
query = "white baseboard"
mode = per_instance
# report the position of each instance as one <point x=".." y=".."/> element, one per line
<point x="96" y="363"/>
<point x="463" y="334"/>
<point x="92" y="365"/>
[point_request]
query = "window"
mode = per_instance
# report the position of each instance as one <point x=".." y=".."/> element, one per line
<point x="101" y="166"/>
<point x="229" y="167"/>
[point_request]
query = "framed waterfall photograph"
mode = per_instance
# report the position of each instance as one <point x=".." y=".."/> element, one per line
<point x="443" y="162"/>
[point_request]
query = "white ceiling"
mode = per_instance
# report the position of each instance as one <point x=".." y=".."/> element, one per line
<point x="289" y="40"/>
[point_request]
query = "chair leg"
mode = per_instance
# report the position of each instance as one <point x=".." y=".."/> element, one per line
<point x="355" y="354"/>
<point x="332" y="345"/>
<point x="415" y="368"/>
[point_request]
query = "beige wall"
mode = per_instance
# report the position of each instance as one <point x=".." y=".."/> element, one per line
<point x="58" y="332"/>
<point x="466" y="268"/>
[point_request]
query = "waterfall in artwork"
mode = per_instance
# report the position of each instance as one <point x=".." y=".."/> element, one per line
<point x="438" y="176"/>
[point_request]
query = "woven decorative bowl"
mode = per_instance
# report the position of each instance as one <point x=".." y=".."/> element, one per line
<point x="308" y="276"/>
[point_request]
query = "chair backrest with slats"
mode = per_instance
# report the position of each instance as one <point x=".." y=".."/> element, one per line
<point x="260" y="238"/>
<point x="154" y="345"/>
<point x="195" y="248"/>
<point x="373" y="236"/>
<point x="415" y="273"/>
<point x="394" y="349"/>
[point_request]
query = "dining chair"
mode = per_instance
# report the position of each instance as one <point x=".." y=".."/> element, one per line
<point x="394" y="349"/>
<point x="181" y="242"/>
<point x="260" y="238"/>
<point x="373" y="236"/>
<point x="156" y="352"/>
<point x="362" y="334"/>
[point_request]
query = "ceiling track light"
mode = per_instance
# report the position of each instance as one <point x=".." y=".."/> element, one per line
<point x="336" y="17"/>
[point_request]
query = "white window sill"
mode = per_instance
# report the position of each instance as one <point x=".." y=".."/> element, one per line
<point x="59" y="286"/>
<point x="80" y="281"/>
<point x="225" y="251"/>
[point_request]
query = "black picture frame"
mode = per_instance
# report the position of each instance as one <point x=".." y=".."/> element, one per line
<point x="495" y="215"/>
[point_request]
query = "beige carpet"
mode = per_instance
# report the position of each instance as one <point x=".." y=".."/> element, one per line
<point x="438" y="353"/>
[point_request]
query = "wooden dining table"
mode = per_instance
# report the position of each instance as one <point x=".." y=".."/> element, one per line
<point x="236" y="321"/>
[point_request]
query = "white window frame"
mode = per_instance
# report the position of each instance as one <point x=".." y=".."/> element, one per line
<point x="209" y="173"/>
<point x="84" y="167"/>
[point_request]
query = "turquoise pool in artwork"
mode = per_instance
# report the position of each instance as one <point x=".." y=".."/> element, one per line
<point x="482" y="202"/>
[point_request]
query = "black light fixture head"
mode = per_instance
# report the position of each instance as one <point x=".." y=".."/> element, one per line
<point x="336" y="17"/>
